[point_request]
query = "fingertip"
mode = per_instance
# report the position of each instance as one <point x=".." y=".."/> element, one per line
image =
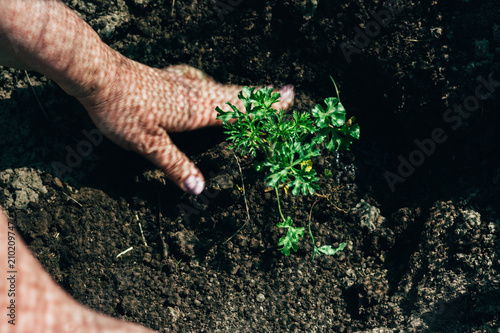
<point x="287" y="93"/>
<point x="193" y="184"/>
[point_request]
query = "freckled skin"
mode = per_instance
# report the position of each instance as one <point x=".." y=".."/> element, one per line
<point x="132" y="104"/>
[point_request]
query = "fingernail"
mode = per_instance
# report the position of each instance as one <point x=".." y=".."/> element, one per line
<point x="194" y="184"/>
<point x="287" y="93"/>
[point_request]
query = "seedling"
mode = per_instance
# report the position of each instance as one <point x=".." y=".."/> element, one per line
<point x="284" y="146"/>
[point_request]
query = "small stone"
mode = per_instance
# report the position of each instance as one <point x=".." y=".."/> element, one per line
<point x="197" y="303"/>
<point x="369" y="216"/>
<point x="147" y="257"/>
<point x="261" y="298"/>
<point x="174" y="313"/>
<point x="234" y="269"/>
<point x="58" y="183"/>
<point x="491" y="227"/>
<point x="141" y="2"/>
<point x="436" y="32"/>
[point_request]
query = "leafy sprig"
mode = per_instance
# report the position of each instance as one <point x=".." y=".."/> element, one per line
<point x="288" y="143"/>
<point x="332" y="124"/>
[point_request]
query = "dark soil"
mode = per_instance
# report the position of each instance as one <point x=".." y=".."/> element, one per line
<point x="422" y="256"/>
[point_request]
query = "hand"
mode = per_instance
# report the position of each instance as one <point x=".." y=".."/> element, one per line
<point x="132" y="104"/>
<point x="138" y="106"/>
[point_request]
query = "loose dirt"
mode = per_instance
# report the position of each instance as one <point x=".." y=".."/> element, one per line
<point x="416" y="200"/>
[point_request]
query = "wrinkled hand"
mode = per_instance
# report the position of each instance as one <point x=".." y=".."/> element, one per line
<point x="133" y="104"/>
<point x="139" y="105"/>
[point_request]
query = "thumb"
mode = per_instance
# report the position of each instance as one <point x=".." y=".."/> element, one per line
<point x="175" y="164"/>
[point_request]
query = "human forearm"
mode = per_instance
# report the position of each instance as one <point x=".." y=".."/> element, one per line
<point x="47" y="37"/>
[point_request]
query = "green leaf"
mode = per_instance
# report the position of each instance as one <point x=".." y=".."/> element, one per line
<point x="333" y="116"/>
<point x="225" y="116"/>
<point x="335" y="111"/>
<point x="285" y="224"/>
<point x="328" y="249"/>
<point x="277" y="178"/>
<point x="354" y="131"/>
<point x="304" y="183"/>
<point x="244" y="96"/>
<point x="320" y="116"/>
<point x="293" y="235"/>
<point x="322" y="135"/>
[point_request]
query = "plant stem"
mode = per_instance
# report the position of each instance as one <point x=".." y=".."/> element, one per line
<point x="279" y="206"/>
<point x="336" y="89"/>
<point x="244" y="197"/>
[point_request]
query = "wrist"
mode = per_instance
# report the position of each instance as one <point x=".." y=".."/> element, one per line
<point x="85" y="78"/>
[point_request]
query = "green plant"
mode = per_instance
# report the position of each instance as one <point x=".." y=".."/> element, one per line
<point x="284" y="145"/>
